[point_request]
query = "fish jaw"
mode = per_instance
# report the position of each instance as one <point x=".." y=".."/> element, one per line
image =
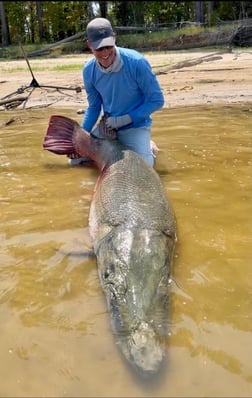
<point x="143" y="349"/>
<point x="133" y="266"/>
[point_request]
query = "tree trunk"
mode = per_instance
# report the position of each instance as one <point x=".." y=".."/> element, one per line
<point x="40" y="21"/>
<point x="210" y="9"/>
<point x="5" y="28"/>
<point x="32" y="22"/>
<point x="103" y="8"/>
<point x="199" y="11"/>
<point x="243" y="10"/>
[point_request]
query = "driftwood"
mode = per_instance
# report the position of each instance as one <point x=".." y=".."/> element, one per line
<point x="56" y="44"/>
<point x="242" y="37"/>
<point x="10" y="103"/>
<point x="9" y="121"/>
<point x="9" y="100"/>
<point x="188" y="63"/>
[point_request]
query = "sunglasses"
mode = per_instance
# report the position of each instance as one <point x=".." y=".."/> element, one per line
<point x="104" y="48"/>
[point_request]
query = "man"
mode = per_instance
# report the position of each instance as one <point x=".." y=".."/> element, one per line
<point x="120" y="83"/>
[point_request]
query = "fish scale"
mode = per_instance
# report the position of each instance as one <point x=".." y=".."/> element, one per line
<point x="130" y="193"/>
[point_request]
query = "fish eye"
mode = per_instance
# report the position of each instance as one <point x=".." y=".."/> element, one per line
<point x="110" y="269"/>
<point x="106" y="273"/>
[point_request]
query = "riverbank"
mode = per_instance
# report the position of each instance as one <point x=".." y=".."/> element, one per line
<point x="187" y="78"/>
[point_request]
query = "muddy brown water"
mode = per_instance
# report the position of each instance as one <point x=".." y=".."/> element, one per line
<point x="55" y="333"/>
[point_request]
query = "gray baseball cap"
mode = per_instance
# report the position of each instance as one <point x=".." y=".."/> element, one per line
<point x="100" y="33"/>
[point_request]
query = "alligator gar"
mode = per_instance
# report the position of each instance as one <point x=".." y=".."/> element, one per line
<point x="133" y="230"/>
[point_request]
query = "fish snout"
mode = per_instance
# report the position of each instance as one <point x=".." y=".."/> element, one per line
<point x="145" y="351"/>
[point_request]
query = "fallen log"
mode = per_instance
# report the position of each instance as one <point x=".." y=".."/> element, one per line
<point x="9" y="101"/>
<point x="188" y="63"/>
<point x="242" y="37"/>
<point x="57" y="43"/>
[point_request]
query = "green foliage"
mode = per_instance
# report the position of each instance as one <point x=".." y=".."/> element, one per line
<point x="17" y="20"/>
<point x="61" y="19"/>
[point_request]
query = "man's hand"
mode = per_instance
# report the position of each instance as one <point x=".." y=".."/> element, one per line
<point x="115" y="122"/>
<point x="74" y="155"/>
<point x="103" y="131"/>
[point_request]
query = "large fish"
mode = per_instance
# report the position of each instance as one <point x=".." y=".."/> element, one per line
<point x="133" y="229"/>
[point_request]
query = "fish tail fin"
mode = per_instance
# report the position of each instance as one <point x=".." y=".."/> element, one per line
<point x="60" y="135"/>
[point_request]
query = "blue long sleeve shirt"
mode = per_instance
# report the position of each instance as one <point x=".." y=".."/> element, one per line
<point x="133" y="90"/>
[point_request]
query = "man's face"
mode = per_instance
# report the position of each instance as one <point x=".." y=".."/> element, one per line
<point x="104" y="55"/>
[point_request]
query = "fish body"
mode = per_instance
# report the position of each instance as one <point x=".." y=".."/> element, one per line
<point x="133" y="229"/>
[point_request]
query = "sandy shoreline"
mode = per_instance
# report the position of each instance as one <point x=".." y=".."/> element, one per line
<point x="222" y="77"/>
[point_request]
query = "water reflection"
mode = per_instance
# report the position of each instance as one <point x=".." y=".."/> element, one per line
<point x="54" y="324"/>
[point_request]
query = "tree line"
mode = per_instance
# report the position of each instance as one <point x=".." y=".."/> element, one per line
<point x="49" y="21"/>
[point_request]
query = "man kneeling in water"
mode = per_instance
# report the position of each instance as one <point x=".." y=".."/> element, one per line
<point x="121" y="83"/>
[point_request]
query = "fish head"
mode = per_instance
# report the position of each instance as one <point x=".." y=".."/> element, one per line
<point x="133" y="266"/>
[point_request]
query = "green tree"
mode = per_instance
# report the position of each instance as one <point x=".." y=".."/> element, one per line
<point x="34" y="21"/>
<point x="129" y="13"/>
<point x="169" y="12"/>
